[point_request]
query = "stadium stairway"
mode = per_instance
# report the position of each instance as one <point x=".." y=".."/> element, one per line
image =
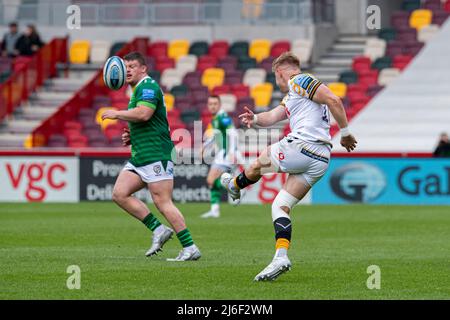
<point x="414" y="109"/>
<point x="339" y="57"/>
<point x="41" y="105"/>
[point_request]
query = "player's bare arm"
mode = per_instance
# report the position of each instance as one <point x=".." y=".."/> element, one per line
<point x="334" y="103"/>
<point x="263" y="119"/>
<point x="138" y="114"/>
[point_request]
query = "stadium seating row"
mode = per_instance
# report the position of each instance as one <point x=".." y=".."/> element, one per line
<point x="241" y="74"/>
<point x="388" y="55"/>
<point x="83" y="51"/>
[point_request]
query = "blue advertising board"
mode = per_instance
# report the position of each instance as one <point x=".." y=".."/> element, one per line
<point x="384" y="181"/>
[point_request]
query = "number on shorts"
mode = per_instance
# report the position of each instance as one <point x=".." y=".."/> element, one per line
<point x="325" y="116"/>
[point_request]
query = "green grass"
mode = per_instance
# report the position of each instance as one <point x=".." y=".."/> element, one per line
<point x="331" y="250"/>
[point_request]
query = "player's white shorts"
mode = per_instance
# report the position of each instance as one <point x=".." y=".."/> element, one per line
<point x="153" y="172"/>
<point x="221" y="161"/>
<point x="297" y="157"/>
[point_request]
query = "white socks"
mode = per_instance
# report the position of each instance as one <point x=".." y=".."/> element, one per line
<point x="215" y="208"/>
<point x="282" y="252"/>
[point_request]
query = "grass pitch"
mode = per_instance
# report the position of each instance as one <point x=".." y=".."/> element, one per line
<point x="331" y="250"/>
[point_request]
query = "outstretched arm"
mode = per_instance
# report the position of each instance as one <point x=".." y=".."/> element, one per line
<point x="263" y="119"/>
<point x="324" y="95"/>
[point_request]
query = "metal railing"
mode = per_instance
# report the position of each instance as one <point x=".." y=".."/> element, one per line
<point x="143" y="13"/>
<point x="31" y="74"/>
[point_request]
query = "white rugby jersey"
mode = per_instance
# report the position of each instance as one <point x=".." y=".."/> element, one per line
<point x="309" y="120"/>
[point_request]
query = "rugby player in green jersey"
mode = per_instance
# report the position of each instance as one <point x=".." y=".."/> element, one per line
<point x="151" y="163"/>
<point x="221" y="137"/>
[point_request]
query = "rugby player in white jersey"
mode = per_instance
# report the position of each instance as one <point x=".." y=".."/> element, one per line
<point x="304" y="153"/>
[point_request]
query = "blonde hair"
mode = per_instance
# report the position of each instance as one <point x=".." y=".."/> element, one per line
<point x="286" y="58"/>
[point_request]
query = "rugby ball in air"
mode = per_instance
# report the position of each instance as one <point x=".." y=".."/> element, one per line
<point x="114" y="73"/>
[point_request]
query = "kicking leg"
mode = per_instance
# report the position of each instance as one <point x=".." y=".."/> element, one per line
<point x="293" y="191"/>
<point x="162" y="197"/>
<point x="249" y="176"/>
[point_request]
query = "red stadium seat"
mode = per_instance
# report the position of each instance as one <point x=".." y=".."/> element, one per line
<point x="219" y="49"/>
<point x="447" y="6"/>
<point x="206" y="119"/>
<point x="174" y="112"/>
<point x="73" y="125"/>
<point x="70" y="132"/>
<point x="157" y="49"/>
<point x="163" y="63"/>
<point x="79" y="141"/>
<point x="368" y="77"/>
<point x="279" y="47"/>
<point x="401" y="61"/>
<point x="356" y="98"/>
<point x="361" y="63"/>
<point x="356" y="88"/>
<point x="240" y="90"/>
<point x="223" y="89"/>
<point x="205" y="62"/>
<point x="112" y="131"/>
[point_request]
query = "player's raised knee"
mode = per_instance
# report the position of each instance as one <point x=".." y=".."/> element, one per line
<point x="282" y="205"/>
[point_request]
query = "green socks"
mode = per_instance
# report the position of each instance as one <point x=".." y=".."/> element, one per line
<point x="151" y="222"/>
<point x="185" y="238"/>
<point x="216" y="192"/>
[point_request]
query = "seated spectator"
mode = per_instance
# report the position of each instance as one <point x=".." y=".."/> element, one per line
<point x="30" y="42"/>
<point x="8" y="48"/>
<point x="443" y="148"/>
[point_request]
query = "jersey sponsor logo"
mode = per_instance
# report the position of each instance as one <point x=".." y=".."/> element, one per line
<point x="281" y="156"/>
<point x="304" y="81"/>
<point x="148" y="94"/>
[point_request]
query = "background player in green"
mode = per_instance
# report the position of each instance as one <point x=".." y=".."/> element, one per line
<point x="150" y="163"/>
<point x="222" y="138"/>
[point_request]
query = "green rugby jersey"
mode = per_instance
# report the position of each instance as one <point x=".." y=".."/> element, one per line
<point x="150" y="140"/>
<point x="220" y="123"/>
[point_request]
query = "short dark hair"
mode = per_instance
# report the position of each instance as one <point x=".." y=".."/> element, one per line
<point x="13" y="24"/>
<point x="214" y="96"/>
<point x="135" y="56"/>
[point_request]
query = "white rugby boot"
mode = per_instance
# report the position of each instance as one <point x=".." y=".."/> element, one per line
<point x="278" y="266"/>
<point x="159" y="238"/>
<point x="234" y="192"/>
<point x="187" y="254"/>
